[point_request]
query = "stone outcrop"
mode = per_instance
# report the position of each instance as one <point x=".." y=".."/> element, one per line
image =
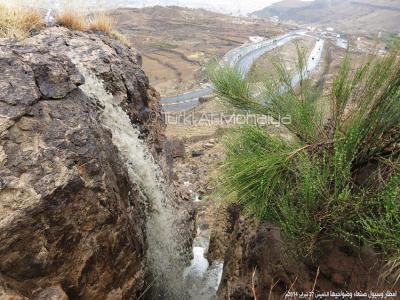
<point x="71" y="223"/>
<point x="257" y="262"/>
<point x="175" y="148"/>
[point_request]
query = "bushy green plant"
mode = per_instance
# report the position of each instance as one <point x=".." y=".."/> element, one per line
<point x="336" y="175"/>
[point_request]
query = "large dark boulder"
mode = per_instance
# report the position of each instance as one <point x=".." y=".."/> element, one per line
<point x="71" y="223"/>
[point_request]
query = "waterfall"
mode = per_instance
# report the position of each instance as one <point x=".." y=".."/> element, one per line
<point x="164" y="242"/>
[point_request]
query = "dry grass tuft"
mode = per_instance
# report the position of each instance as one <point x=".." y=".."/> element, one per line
<point x="71" y="17"/>
<point x="101" y="21"/>
<point x="120" y="38"/>
<point x="18" y="22"/>
<point x="77" y="19"/>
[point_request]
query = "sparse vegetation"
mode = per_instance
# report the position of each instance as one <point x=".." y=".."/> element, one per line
<point x="331" y="177"/>
<point x="101" y="21"/>
<point x="18" y="21"/>
<point x="72" y="17"/>
<point x="120" y="37"/>
<point x="75" y="18"/>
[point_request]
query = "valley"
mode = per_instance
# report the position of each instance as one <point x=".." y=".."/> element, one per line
<point x="178" y="43"/>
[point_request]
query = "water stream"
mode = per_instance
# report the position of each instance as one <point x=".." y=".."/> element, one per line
<point x="202" y="279"/>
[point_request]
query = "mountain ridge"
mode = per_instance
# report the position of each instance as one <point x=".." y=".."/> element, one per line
<point x="346" y="15"/>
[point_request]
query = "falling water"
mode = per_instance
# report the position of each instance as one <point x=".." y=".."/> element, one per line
<point x="164" y="243"/>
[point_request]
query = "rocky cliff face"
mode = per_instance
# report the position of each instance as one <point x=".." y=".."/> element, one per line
<point x="71" y="223"/>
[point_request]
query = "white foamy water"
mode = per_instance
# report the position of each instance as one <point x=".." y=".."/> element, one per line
<point x="199" y="264"/>
<point x="164" y="243"/>
<point x="201" y="279"/>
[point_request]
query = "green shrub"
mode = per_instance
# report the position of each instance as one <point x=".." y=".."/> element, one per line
<point x="337" y="175"/>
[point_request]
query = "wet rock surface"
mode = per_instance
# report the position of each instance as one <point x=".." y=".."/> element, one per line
<point x="71" y="223"/>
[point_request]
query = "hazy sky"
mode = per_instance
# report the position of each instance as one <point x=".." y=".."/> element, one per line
<point x="225" y="6"/>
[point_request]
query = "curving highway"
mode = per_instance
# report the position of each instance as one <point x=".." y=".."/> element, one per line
<point x="243" y="57"/>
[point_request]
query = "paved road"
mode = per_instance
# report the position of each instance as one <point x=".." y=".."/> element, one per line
<point x="312" y="62"/>
<point x="243" y="57"/>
